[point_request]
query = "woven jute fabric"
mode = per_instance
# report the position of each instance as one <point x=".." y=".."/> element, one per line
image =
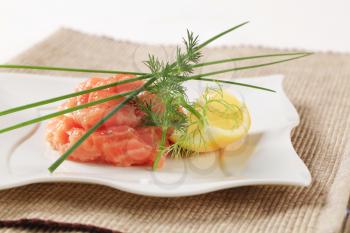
<point x="318" y="86"/>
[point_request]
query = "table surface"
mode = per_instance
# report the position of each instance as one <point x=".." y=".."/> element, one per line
<point x="320" y="25"/>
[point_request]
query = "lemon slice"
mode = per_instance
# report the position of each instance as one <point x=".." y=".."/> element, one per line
<point x="226" y="122"/>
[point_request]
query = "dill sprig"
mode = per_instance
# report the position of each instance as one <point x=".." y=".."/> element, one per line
<point x="169" y="90"/>
<point x="164" y="81"/>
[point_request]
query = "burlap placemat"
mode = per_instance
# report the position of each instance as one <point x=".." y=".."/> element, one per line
<point x="319" y="86"/>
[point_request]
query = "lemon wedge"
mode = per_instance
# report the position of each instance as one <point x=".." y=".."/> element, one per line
<point x="226" y="122"/>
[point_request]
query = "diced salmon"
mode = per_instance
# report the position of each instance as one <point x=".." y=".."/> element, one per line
<point x="121" y="141"/>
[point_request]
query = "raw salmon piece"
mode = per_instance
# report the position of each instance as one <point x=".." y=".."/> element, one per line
<point x="123" y="87"/>
<point x="87" y="151"/>
<point x="88" y="117"/>
<point x="123" y="147"/>
<point x="57" y="130"/>
<point x="90" y="83"/>
<point x="152" y="136"/>
<point x="81" y="99"/>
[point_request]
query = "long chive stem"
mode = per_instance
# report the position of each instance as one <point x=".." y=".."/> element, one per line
<point x="205" y="43"/>
<point x="233" y="83"/>
<point x="245" y="67"/>
<point x="58" y="98"/>
<point x="65" y="111"/>
<point x="69" y="69"/>
<point x="245" y="58"/>
<point x="61" y="159"/>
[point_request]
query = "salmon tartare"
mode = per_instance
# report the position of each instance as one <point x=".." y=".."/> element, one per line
<point x="123" y="140"/>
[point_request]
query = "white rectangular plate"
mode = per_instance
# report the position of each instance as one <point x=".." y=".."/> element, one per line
<point x="267" y="158"/>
